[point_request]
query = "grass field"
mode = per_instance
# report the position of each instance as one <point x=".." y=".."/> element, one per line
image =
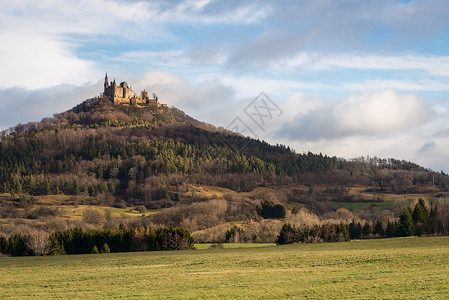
<point x="204" y="246"/>
<point x="73" y="212"/>
<point x="356" y="206"/>
<point x="389" y="268"/>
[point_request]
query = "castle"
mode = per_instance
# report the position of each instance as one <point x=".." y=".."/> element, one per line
<point x="123" y="94"/>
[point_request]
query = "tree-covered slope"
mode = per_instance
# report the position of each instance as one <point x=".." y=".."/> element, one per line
<point x="148" y="156"/>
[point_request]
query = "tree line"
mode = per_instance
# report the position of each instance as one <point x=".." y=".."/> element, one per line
<point x="81" y="241"/>
<point x="419" y="221"/>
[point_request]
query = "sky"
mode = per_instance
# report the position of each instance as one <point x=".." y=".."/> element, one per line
<point x="345" y="78"/>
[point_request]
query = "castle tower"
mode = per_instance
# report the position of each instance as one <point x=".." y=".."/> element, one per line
<point x="106" y="82"/>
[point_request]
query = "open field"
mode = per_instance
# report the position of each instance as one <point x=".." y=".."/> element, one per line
<point x="389" y="268"/>
<point x="70" y="211"/>
<point x="204" y="246"/>
<point x="370" y="198"/>
<point x="356" y="206"/>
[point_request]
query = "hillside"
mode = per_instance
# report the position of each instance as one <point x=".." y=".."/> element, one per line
<point x="204" y="178"/>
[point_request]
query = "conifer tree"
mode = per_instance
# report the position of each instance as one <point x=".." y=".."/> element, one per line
<point x="406" y="226"/>
<point x="420" y="213"/>
<point x="420" y="217"/>
<point x="105" y="248"/>
<point x="378" y="228"/>
<point x="76" y="187"/>
<point x="366" y="230"/>
<point x="391" y="229"/>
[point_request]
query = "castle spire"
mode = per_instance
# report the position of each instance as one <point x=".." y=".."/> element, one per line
<point x="106" y="82"/>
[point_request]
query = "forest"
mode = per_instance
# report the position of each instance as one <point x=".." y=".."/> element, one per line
<point x="106" y="155"/>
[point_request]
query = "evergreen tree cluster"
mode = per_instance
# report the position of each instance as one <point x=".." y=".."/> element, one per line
<point x="80" y="241"/>
<point x="15" y="245"/>
<point x="270" y="210"/>
<point x="290" y="234"/>
<point x="418" y="221"/>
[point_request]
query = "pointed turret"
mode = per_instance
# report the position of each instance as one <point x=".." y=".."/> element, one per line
<point x="106" y="82"/>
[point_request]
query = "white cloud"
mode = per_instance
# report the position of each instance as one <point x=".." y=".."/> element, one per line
<point x="404" y="85"/>
<point x="34" y="61"/>
<point x="120" y="17"/>
<point x="385" y="112"/>
<point x="41" y="40"/>
<point x="434" y="65"/>
<point x="381" y="112"/>
<point x="82" y="16"/>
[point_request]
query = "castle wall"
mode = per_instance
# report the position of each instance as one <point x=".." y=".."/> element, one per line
<point x="121" y="100"/>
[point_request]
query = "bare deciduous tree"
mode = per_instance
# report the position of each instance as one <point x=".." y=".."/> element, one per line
<point x="38" y="241"/>
<point x="93" y="216"/>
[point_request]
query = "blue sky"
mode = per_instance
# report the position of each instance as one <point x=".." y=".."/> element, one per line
<point x="351" y="78"/>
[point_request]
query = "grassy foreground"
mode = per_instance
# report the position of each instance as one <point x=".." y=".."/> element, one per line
<point x="390" y="268"/>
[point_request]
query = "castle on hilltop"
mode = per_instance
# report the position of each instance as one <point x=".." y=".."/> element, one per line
<point x="123" y="94"/>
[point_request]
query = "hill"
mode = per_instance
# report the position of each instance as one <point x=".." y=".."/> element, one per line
<point x="204" y="178"/>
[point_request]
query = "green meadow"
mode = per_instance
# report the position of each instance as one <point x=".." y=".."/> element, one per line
<point x="387" y="268"/>
<point x="357" y="206"/>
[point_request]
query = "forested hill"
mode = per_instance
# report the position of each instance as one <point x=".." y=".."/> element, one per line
<point x="149" y="157"/>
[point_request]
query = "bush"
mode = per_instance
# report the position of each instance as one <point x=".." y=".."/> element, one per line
<point x="216" y="246"/>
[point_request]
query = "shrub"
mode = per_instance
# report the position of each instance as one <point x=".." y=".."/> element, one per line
<point x="216" y="246"/>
